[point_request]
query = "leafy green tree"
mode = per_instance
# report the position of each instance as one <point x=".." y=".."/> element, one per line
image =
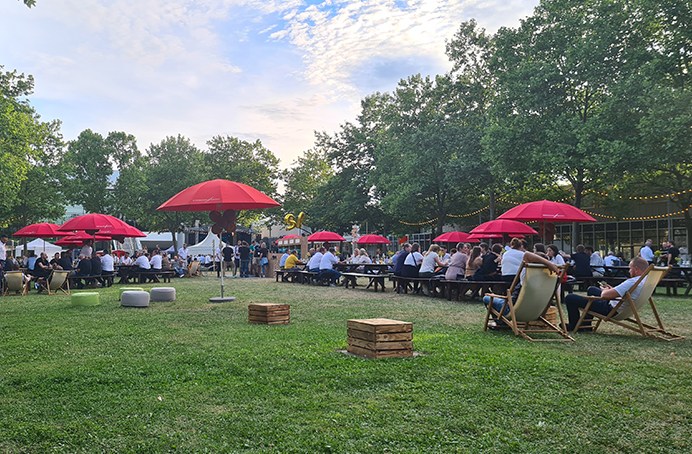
<point x="303" y="181"/>
<point x="87" y="170"/>
<point x="170" y="166"/>
<point x="25" y="143"/>
<point x="246" y="162"/>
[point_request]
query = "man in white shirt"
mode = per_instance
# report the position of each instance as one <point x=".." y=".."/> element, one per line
<point x="142" y="261"/>
<point x="595" y="261"/>
<point x="315" y="260"/>
<point x="183" y="252"/>
<point x="647" y="253"/>
<point x="327" y="270"/>
<point x="609" y="294"/>
<point x="155" y="262"/>
<point x="87" y="250"/>
<point x="611" y="259"/>
<point x="107" y="268"/>
<point x="3" y="251"/>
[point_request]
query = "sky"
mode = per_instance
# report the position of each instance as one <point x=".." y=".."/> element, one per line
<point x="271" y="70"/>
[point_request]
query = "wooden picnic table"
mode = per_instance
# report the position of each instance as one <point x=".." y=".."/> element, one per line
<point x="368" y="268"/>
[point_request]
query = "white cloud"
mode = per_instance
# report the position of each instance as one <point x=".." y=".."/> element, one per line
<point x="270" y="69"/>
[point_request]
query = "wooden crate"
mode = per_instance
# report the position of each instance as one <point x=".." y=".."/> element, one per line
<point x="269" y="313"/>
<point x="380" y="338"/>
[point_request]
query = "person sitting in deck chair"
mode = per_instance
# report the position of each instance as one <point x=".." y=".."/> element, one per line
<point x="638" y="266"/>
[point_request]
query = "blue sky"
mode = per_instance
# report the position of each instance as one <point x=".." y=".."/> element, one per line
<point x="256" y="69"/>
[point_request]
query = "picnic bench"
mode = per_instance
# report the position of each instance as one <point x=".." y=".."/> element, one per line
<point x="462" y="286"/>
<point x="375" y="280"/>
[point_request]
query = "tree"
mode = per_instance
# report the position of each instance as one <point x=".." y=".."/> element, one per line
<point x="245" y="162"/>
<point x="304" y="180"/>
<point x="30" y="3"/>
<point x="25" y="143"/>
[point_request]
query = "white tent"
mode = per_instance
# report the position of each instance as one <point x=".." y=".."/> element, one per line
<point x="205" y="246"/>
<point x="38" y="246"/>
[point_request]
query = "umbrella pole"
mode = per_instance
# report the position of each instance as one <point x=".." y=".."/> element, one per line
<point x="222" y="298"/>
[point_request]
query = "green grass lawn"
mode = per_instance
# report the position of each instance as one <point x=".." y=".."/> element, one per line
<point x="193" y="376"/>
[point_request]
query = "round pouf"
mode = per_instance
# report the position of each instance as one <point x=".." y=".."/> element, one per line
<point x="163" y="294"/>
<point x="127" y="289"/>
<point x="85" y="299"/>
<point x="134" y="298"/>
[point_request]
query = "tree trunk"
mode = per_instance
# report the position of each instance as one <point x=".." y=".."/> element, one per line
<point x="492" y="205"/>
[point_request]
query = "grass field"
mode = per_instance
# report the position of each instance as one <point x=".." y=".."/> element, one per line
<point x="192" y="376"/>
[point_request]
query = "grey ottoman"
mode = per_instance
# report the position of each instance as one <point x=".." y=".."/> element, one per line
<point x="163" y="294"/>
<point x="134" y="298"/>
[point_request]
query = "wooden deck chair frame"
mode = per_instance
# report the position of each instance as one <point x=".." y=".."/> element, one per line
<point x="58" y="280"/>
<point x="630" y="317"/>
<point x="193" y="269"/>
<point x="534" y="299"/>
<point x="14" y="282"/>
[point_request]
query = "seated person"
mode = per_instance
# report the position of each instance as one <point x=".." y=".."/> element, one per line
<point x="399" y="257"/>
<point x="431" y="260"/>
<point x="107" y="267"/>
<point x="315" y="259"/>
<point x="611" y="259"/>
<point x="96" y="269"/>
<point x="355" y="258"/>
<point x="581" y="261"/>
<point x="488" y="270"/>
<point x="412" y="262"/>
<point x="603" y="306"/>
<point x="55" y="262"/>
<point x="457" y="262"/>
<point x="282" y="260"/>
<point x="595" y="262"/>
<point x="292" y="262"/>
<point x="142" y="262"/>
<point x="511" y="260"/>
<point x="83" y="269"/>
<point x="327" y="267"/>
<point x="42" y="268"/>
<point x="65" y="261"/>
<point x="156" y="262"/>
<point x="528" y="257"/>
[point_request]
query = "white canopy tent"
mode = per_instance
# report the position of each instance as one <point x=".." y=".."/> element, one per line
<point x="206" y="246"/>
<point x="38" y="245"/>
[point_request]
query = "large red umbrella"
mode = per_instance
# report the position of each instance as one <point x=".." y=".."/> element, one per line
<point x="217" y="195"/>
<point x="39" y="230"/>
<point x="325" y="235"/>
<point x="290" y="236"/>
<point x="78" y="238"/>
<point x="482" y="236"/>
<point x="373" y="239"/>
<point x="504" y="226"/>
<point x="94" y="222"/>
<point x="548" y="211"/>
<point x="452" y="237"/>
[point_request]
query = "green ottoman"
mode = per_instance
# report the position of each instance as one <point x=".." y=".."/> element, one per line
<point x="85" y="299"/>
<point x="126" y="289"/>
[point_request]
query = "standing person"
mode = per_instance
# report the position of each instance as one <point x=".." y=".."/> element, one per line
<point x="264" y="259"/>
<point x="673" y="254"/>
<point x="228" y="258"/>
<point x="184" y="253"/>
<point x="646" y="252"/>
<point x="457" y="263"/>
<point x="327" y="267"/>
<point x="236" y="259"/>
<point x="3" y="251"/>
<point x="245" y="260"/>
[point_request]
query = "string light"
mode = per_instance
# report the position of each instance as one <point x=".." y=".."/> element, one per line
<point x="647" y="197"/>
<point x="428" y="222"/>
<point x="480" y="210"/>
<point x="640" y="218"/>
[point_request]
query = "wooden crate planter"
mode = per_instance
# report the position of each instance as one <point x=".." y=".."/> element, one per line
<point x="269" y="313"/>
<point x="380" y="338"/>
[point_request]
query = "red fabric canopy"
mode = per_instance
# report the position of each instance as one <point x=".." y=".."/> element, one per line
<point x="373" y="239"/>
<point x="482" y="236"/>
<point x="39" y="230"/>
<point x="325" y="235"/>
<point x="547" y="211"/>
<point x="452" y="237"/>
<point x="505" y="226"/>
<point x="291" y="236"/>
<point x="218" y="195"/>
<point x="93" y="222"/>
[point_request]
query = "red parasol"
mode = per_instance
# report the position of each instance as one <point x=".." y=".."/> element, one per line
<point x="325" y="235"/>
<point x="217" y="195"/>
<point x="118" y="252"/>
<point x="547" y="211"/>
<point x="39" y="230"/>
<point x="452" y="237"/>
<point x="482" y="236"/>
<point x="373" y="239"/>
<point x="505" y="226"/>
<point x="290" y="236"/>
<point x="94" y="222"/>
